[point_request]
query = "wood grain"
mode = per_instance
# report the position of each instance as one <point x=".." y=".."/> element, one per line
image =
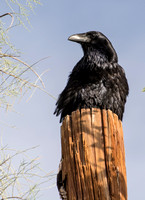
<point x="93" y="156"/>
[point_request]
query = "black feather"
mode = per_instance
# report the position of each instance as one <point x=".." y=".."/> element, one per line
<point x="97" y="80"/>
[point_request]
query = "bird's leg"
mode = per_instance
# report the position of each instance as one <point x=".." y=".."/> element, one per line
<point x="61" y="183"/>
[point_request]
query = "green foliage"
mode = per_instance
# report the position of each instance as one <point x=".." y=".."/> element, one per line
<point x="14" y="71"/>
<point x="24" y="181"/>
<point x="23" y="7"/>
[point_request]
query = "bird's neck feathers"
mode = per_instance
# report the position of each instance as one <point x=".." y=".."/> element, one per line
<point x="93" y="55"/>
<point x="94" y="58"/>
<point x="106" y="55"/>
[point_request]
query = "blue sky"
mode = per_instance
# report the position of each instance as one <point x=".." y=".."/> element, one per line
<point x="123" y="22"/>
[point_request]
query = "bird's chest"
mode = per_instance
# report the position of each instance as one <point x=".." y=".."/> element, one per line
<point x="96" y="87"/>
<point x="92" y="93"/>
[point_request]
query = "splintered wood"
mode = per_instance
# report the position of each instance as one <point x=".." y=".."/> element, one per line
<point x="93" y="156"/>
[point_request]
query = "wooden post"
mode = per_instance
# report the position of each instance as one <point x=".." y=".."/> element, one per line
<point x="93" y="156"/>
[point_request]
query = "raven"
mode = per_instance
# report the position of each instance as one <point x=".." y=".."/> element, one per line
<point x="97" y="80"/>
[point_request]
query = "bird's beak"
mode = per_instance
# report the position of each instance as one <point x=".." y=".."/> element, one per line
<point x="80" y="38"/>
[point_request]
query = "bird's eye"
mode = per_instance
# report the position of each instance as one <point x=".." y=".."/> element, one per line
<point x="93" y="36"/>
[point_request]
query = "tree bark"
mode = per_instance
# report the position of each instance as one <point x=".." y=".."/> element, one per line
<point x="93" y="156"/>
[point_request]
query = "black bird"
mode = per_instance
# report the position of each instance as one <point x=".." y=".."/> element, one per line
<point x="97" y="80"/>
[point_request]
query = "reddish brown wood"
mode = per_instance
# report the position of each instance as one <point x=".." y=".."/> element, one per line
<point x="93" y="156"/>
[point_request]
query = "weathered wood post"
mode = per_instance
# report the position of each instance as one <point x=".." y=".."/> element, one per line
<point x="93" y="156"/>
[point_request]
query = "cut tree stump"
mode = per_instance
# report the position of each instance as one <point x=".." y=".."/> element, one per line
<point x="93" y="156"/>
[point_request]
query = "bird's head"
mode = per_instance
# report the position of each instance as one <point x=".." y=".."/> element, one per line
<point x="98" y="41"/>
